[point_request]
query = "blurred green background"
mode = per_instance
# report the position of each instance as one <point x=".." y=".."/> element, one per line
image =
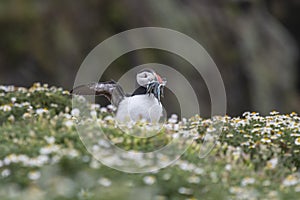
<point x="253" y="42"/>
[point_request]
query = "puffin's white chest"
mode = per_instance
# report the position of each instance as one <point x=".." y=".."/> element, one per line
<point x="139" y="107"/>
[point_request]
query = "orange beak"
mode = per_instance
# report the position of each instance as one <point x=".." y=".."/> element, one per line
<point x="159" y="79"/>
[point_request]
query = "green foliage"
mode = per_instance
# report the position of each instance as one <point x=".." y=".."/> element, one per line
<point x="42" y="156"/>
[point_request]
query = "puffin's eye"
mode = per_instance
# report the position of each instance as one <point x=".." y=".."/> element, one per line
<point x="145" y="75"/>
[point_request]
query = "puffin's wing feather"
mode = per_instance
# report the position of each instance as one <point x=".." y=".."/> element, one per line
<point x="111" y="90"/>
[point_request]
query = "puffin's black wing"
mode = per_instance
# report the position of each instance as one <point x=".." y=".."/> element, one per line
<point x="111" y="90"/>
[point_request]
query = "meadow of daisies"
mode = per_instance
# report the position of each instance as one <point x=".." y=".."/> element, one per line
<point x="42" y="156"/>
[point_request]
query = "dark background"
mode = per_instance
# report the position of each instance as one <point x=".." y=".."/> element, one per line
<point x="253" y="42"/>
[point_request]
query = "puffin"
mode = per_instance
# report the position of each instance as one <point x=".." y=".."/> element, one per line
<point x="143" y="104"/>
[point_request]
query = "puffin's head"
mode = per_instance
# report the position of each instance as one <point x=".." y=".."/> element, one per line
<point x="149" y="79"/>
<point x="147" y="76"/>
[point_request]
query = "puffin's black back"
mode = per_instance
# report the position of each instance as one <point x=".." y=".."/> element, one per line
<point x="140" y="90"/>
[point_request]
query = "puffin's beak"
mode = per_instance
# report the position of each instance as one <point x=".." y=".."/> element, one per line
<point x="159" y="79"/>
<point x="156" y="87"/>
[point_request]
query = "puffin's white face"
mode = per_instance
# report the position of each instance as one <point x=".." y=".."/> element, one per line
<point x="145" y="77"/>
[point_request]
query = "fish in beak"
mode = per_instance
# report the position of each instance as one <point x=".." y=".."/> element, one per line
<point x="157" y="87"/>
